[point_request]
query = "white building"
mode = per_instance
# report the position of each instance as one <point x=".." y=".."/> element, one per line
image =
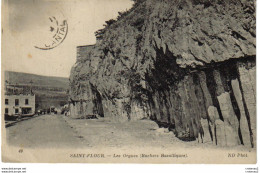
<point x="20" y="104"/>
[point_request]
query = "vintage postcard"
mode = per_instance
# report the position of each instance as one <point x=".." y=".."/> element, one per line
<point x="129" y="81"/>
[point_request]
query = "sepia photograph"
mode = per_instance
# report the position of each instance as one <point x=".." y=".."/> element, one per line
<point x="129" y="81"/>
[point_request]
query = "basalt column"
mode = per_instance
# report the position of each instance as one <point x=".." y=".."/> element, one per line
<point x="209" y="104"/>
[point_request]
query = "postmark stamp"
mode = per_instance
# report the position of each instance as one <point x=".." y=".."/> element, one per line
<point x="57" y="33"/>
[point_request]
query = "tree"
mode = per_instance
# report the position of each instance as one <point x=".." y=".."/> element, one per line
<point x="110" y="22"/>
<point x="99" y="33"/>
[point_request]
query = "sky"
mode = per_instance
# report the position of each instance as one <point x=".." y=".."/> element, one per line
<point x="26" y="24"/>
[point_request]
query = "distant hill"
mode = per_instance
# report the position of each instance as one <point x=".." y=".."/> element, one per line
<point x="49" y="91"/>
<point x="38" y="80"/>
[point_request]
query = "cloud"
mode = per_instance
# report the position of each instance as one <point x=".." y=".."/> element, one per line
<point x="27" y="14"/>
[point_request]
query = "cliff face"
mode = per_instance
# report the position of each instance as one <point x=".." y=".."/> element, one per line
<point x="189" y="65"/>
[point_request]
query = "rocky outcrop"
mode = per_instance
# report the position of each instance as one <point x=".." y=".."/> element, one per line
<point x="188" y="65"/>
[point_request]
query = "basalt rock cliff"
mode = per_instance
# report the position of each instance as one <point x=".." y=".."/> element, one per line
<point x="189" y="65"/>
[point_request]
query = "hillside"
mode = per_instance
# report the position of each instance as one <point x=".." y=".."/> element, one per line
<point x="38" y="80"/>
<point x="189" y="65"/>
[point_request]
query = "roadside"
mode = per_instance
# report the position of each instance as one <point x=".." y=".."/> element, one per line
<point x="10" y="123"/>
<point x="104" y="133"/>
<point x="143" y="133"/>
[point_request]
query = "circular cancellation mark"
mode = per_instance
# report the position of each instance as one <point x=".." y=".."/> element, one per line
<point x="58" y="30"/>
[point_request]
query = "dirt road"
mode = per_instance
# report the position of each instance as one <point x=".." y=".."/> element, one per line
<point x="59" y="131"/>
<point x="43" y="131"/>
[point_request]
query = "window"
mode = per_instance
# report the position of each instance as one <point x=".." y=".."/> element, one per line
<point x="16" y="102"/>
<point x="26" y="101"/>
<point x="6" y="110"/>
<point x="6" y="101"/>
<point x="16" y="111"/>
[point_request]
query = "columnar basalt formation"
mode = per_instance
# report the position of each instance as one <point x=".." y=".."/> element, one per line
<point x="188" y="65"/>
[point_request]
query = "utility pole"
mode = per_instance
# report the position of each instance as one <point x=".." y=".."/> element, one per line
<point x="13" y="88"/>
<point x="16" y="85"/>
<point x="31" y="82"/>
<point x="6" y="83"/>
